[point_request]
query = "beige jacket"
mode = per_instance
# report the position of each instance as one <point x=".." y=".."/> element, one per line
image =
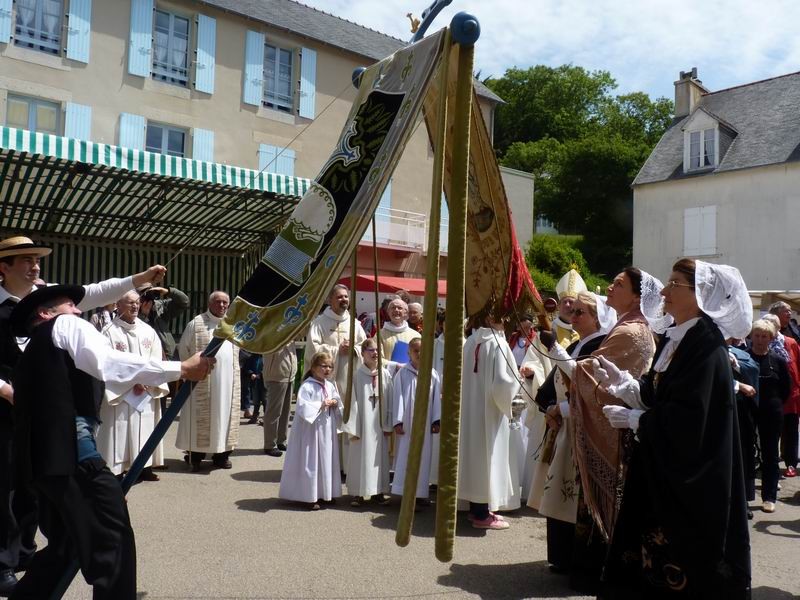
<point x="281" y="365"/>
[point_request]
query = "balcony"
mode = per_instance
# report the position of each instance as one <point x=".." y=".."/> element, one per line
<point x="403" y="229"/>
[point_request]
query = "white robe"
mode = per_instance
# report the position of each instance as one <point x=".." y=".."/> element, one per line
<point x="405" y="391"/>
<point x="123" y="429"/>
<point x="489" y="383"/>
<point x="311" y="468"/>
<point x="368" y="456"/>
<point x="220" y="385"/>
<point x="533" y="423"/>
<point x="326" y="333"/>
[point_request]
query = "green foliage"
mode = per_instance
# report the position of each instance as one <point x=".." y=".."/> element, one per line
<point x="550" y="256"/>
<point x="584" y="147"/>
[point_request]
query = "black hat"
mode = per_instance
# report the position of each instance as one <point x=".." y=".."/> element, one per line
<point x="25" y="310"/>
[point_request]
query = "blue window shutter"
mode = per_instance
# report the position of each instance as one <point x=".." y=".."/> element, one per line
<point x="79" y="33"/>
<point x="140" y="48"/>
<point x="206" y="54"/>
<point x="254" y="68"/>
<point x="386" y="198"/>
<point x="203" y="145"/>
<point x="131" y="131"/>
<point x="266" y="158"/>
<point x="5" y="21"/>
<point x="78" y="122"/>
<point x="285" y="163"/>
<point x="308" y="83"/>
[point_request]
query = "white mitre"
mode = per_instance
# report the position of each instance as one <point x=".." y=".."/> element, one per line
<point x="570" y="284"/>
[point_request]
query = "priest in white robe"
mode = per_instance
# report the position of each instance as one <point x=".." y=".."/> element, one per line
<point x="534" y="369"/>
<point x="209" y="422"/>
<point x="330" y="332"/>
<point x="489" y="383"/>
<point x="369" y="426"/>
<point x="311" y="470"/>
<point x="405" y="391"/>
<point x="396" y="334"/>
<point x="129" y="413"/>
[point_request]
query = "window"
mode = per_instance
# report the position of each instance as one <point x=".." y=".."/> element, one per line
<point x="702" y="146"/>
<point x="33" y="114"/>
<point x="165" y="140"/>
<point x="170" y="48"/>
<point x="700" y="231"/>
<point x="38" y="25"/>
<point x="278" y="93"/>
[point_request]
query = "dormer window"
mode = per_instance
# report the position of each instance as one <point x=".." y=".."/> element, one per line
<point x="702" y="149"/>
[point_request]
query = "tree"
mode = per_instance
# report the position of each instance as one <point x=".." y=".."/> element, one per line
<point x="557" y="102"/>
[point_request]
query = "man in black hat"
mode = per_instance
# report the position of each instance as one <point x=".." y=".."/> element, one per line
<point x="19" y="270"/>
<point x="81" y="506"/>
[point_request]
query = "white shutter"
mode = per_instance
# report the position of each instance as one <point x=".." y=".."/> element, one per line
<point x="308" y="83"/>
<point x="266" y="158"/>
<point x="285" y="162"/>
<point x="691" y="231"/>
<point x="253" y="68"/>
<point x="79" y="31"/>
<point x="131" y="131"/>
<point x="78" y="122"/>
<point x="5" y="21"/>
<point x="206" y="53"/>
<point x="140" y="47"/>
<point x="708" y="230"/>
<point x="203" y="144"/>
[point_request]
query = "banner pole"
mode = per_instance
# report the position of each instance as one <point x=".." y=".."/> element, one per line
<point x="465" y="30"/>
<point x="405" y="519"/>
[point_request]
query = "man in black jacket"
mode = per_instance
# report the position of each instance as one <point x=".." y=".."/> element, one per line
<point x="81" y="506"/>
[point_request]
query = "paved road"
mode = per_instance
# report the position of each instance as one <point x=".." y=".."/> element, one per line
<point x="225" y="534"/>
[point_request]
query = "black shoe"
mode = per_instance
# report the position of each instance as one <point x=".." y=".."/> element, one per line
<point x="749" y="514"/>
<point x="223" y="464"/>
<point x="282" y="447"/>
<point x="196" y="467"/>
<point x="8" y="581"/>
<point x="252" y="420"/>
<point x="273" y="452"/>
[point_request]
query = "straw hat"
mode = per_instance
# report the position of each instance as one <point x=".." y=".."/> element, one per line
<point x="20" y="244"/>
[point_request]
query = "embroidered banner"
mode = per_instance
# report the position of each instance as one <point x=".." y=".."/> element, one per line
<point x="295" y="275"/>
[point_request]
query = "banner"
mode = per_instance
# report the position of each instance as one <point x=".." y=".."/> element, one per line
<point x="496" y="274"/>
<point x="299" y="268"/>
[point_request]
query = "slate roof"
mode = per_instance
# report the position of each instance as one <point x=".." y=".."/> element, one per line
<point x="323" y="27"/>
<point x="765" y="115"/>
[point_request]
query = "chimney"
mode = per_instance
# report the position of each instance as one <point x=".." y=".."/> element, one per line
<point x="688" y="91"/>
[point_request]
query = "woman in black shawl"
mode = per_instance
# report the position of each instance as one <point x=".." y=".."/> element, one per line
<point x="682" y="530"/>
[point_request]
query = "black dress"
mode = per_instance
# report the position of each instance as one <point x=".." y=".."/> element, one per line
<point x="682" y="530"/>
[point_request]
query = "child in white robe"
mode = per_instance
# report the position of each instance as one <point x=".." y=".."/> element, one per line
<point x="369" y="426"/>
<point x="311" y="472"/>
<point x="405" y="390"/>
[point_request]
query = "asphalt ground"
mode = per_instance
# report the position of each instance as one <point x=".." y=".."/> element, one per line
<point x="225" y="534"/>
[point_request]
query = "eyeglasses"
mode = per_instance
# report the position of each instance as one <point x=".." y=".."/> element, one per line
<point x="673" y="283"/>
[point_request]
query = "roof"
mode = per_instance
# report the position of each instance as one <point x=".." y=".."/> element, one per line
<point x="63" y="186"/>
<point x="765" y="115"/>
<point x="324" y="27"/>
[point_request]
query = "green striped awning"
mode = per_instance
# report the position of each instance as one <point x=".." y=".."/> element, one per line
<point x="63" y="186"/>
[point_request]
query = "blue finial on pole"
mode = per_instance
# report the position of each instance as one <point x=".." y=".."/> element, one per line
<point x="465" y="29"/>
<point x="356" y="77"/>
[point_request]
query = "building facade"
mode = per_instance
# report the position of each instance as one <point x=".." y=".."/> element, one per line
<point x="212" y="94"/>
<point x="723" y="183"/>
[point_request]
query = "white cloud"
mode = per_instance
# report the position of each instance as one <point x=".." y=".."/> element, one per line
<point x="644" y="45"/>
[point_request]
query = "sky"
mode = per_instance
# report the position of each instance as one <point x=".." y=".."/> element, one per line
<point x="643" y="44"/>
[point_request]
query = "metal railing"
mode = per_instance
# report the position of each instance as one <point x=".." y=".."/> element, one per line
<point x="404" y="229"/>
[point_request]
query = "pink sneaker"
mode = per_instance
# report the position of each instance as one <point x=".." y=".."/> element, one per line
<point x="471" y="517"/>
<point x="490" y="522"/>
<point x="790" y="472"/>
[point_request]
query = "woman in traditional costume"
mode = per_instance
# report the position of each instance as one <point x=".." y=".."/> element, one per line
<point x="682" y="530"/>
<point x="554" y="492"/>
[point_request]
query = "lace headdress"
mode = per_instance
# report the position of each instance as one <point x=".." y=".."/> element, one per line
<point x="722" y="294"/>
<point x="651" y="304"/>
